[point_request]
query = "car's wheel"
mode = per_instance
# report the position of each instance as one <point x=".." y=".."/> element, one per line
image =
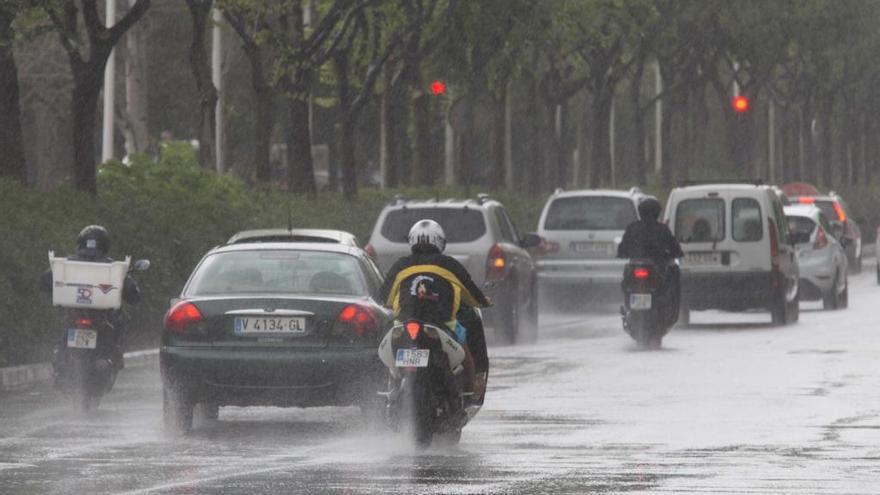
<point x="208" y="411"/>
<point x="779" y="312"/>
<point x="794" y="309"/>
<point x="177" y="411"/>
<point x="684" y="315"/>
<point x="878" y="272"/>
<point x="830" y="298"/>
<point x="843" y="296"/>
<point x="509" y="320"/>
<point x="528" y="331"/>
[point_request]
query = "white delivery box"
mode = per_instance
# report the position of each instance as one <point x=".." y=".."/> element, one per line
<point x="87" y="284"/>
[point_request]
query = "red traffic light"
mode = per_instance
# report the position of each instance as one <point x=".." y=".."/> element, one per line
<point x="740" y="104"/>
<point x="438" y="88"/>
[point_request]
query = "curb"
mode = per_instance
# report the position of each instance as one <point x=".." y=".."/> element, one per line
<point x="15" y="377"/>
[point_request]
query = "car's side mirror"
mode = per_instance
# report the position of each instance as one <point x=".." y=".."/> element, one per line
<point x="837" y="231"/>
<point x="141" y="265"/>
<point x="530" y="240"/>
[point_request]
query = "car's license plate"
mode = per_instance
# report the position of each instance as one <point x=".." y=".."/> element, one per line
<point x="702" y="259"/>
<point x="79" y="338"/>
<point x="416" y="358"/>
<point x="281" y="325"/>
<point x="640" y="301"/>
<point x="592" y="247"/>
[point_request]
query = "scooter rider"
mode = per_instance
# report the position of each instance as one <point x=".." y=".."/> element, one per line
<point x="648" y="238"/>
<point x="436" y="288"/>
<point x="92" y="244"/>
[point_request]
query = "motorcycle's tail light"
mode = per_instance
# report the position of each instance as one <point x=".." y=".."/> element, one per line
<point x="413" y="328"/>
<point x="821" y="239"/>
<point x="182" y="315"/>
<point x="496" y="265"/>
<point x="83" y="322"/>
<point x="356" y="319"/>
<point x="641" y="273"/>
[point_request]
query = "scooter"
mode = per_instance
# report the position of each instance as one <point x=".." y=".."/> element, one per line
<point x="87" y="358"/>
<point x="650" y="303"/>
<point x="424" y="392"/>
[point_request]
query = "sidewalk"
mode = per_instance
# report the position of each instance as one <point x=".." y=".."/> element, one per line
<point x="15" y="377"/>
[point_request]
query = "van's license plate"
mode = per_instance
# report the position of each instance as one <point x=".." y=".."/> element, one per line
<point x="78" y="338"/>
<point x="640" y="301"/>
<point x="702" y="259"/>
<point x="415" y="358"/>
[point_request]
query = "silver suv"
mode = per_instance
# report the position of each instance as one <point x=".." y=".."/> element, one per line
<point x="581" y="231"/>
<point x="480" y="235"/>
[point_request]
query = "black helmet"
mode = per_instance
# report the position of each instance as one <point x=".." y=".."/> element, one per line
<point x="93" y="242"/>
<point x="649" y="208"/>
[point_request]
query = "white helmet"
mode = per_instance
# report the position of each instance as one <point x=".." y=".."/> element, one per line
<point x="427" y="232"/>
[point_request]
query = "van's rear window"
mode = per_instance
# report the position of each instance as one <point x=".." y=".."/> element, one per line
<point x="459" y="224"/>
<point x="590" y="213"/>
<point x="700" y="220"/>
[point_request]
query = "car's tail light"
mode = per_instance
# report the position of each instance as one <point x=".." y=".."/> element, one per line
<point x="806" y="200"/>
<point x="821" y="239"/>
<point x="841" y="215"/>
<point x="774" y="242"/>
<point x="641" y="273"/>
<point x="182" y="315"/>
<point x="547" y="247"/>
<point x="83" y="322"/>
<point x="496" y="265"/>
<point x="356" y="319"/>
<point x="371" y="251"/>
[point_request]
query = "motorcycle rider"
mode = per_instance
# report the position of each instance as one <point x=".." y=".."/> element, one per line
<point x="648" y="238"/>
<point x="436" y="288"/>
<point x="92" y="244"/>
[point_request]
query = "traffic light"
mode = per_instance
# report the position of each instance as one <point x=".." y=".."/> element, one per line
<point x="740" y="104"/>
<point x="438" y="88"/>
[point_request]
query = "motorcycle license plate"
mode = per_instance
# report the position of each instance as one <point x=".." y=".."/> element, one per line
<point x="640" y="301"/>
<point x="412" y="358"/>
<point x="82" y="339"/>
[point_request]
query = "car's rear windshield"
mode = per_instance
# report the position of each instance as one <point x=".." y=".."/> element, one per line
<point x="827" y="207"/>
<point x="278" y="272"/>
<point x="459" y="224"/>
<point x="700" y="220"/>
<point x="590" y="213"/>
<point x="801" y="225"/>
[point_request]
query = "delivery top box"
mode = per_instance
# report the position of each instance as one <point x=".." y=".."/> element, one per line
<point x="87" y="284"/>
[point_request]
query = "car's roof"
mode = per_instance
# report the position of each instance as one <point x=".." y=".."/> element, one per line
<point x="317" y="235"/>
<point x="722" y="186"/>
<point x="327" y="247"/>
<point x="629" y="194"/>
<point x="802" y="210"/>
<point x="443" y="203"/>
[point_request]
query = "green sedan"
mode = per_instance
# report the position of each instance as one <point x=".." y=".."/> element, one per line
<point x="277" y="324"/>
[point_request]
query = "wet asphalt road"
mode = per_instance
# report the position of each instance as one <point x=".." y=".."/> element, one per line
<point x="730" y="405"/>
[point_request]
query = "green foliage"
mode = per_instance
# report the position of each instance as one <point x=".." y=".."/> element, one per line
<point x="171" y="212"/>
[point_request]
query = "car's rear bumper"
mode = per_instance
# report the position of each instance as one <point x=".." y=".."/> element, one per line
<point x="610" y="272"/>
<point x="279" y="377"/>
<point x="728" y="291"/>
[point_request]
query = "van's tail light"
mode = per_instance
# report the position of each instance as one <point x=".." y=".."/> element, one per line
<point x="496" y="265"/>
<point x="356" y="319"/>
<point x="774" y="242"/>
<point x="371" y="251"/>
<point x="181" y="316"/>
<point x="83" y="322"/>
<point x="821" y="239"/>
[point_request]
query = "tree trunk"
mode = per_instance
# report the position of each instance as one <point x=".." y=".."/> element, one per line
<point x="201" y="69"/>
<point x="497" y="175"/>
<point x="12" y="161"/>
<point x="398" y="140"/>
<point x="826" y="107"/>
<point x="668" y="172"/>
<point x="87" y="88"/>
<point x="639" y="166"/>
<point x="137" y="138"/>
<point x="808" y="149"/>
<point x="346" y="126"/>
<point x="423" y="169"/>
<point x="789" y="147"/>
<point x="300" y="171"/>
<point x="535" y="154"/>
<point x="600" y="156"/>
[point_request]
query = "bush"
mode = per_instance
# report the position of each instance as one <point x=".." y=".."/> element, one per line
<point x="171" y="212"/>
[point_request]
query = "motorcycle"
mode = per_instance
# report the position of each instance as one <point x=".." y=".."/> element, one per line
<point x="425" y="395"/>
<point x="650" y="301"/>
<point x="87" y="359"/>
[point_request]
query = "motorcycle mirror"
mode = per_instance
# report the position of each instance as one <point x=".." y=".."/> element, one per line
<point x="141" y="265"/>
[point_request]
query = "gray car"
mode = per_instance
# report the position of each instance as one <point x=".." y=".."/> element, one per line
<point x="295" y="235"/>
<point x="480" y="235"/>
<point x="821" y="256"/>
<point x="581" y="231"/>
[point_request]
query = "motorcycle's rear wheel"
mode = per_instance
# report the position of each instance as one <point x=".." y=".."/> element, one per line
<point x="417" y="410"/>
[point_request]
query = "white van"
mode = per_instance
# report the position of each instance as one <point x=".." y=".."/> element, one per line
<point x="738" y="251"/>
